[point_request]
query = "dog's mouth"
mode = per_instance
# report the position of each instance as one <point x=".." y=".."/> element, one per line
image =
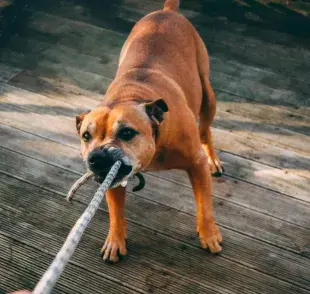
<point x="123" y="174"/>
<point x="101" y="160"/>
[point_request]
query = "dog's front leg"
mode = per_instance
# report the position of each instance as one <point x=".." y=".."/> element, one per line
<point x="115" y="244"/>
<point x="200" y="177"/>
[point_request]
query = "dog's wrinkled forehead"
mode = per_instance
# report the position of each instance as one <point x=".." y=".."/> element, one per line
<point x="104" y="120"/>
<point x="95" y="121"/>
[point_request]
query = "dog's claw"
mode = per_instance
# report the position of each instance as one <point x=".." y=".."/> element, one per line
<point x="217" y="174"/>
<point x="211" y="238"/>
<point x="113" y="250"/>
<point x="215" y="166"/>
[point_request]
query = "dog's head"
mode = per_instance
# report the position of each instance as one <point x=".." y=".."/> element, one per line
<point x="123" y="132"/>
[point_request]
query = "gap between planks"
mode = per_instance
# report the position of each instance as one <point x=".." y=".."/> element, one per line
<point x="149" y="191"/>
<point x="68" y="134"/>
<point x="99" y="226"/>
<point x="286" y="183"/>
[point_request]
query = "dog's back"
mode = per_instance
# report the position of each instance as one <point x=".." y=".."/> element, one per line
<point x="161" y="51"/>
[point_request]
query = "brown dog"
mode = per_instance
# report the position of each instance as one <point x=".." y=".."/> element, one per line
<point x="148" y="119"/>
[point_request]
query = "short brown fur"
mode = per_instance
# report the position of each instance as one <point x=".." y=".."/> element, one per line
<point x="163" y="57"/>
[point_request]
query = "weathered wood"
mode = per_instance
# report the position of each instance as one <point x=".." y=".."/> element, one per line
<point x="92" y="45"/>
<point x="246" y="147"/>
<point x="221" y="79"/>
<point x="8" y="72"/>
<point x="236" y="104"/>
<point x="267" y="177"/>
<point x="262" y="129"/>
<point x="107" y="67"/>
<point x="167" y="253"/>
<point x="62" y="130"/>
<point x="24" y="265"/>
<point x="38" y="82"/>
<point x="176" y="196"/>
<point x="277" y="116"/>
<point x="265" y="132"/>
<point x="143" y="267"/>
<point x="131" y="11"/>
<point x="16" y="275"/>
<point x="13" y="15"/>
<point x="230" y="189"/>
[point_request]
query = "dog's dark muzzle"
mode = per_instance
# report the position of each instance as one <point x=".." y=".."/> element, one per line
<point x="101" y="160"/>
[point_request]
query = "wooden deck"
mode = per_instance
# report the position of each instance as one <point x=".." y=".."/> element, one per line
<point x="62" y="61"/>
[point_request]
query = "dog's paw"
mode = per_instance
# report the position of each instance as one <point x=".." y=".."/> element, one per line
<point x="215" y="165"/>
<point x="210" y="237"/>
<point x="114" y="249"/>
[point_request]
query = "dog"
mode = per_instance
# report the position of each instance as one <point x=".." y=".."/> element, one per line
<point x="148" y="120"/>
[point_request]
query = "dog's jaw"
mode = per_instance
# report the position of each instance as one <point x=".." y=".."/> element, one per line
<point x="135" y="168"/>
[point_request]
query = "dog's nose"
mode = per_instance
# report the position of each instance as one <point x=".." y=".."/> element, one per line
<point x="97" y="156"/>
<point x="101" y="160"/>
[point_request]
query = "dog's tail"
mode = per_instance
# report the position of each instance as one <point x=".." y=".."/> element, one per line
<point x="172" y="5"/>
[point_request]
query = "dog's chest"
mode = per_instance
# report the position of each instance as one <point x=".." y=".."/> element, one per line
<point x="165" y="159"/>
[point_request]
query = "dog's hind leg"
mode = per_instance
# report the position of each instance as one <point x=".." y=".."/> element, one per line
<point x="200" y="177"/>
<point x="208" y="109"/>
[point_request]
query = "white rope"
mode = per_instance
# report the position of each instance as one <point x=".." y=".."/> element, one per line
<point x="53" y="273"/>
<point x="78" y="184"/>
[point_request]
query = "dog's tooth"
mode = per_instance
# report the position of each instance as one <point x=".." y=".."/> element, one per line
<point x="124" y="184"/>
<point x="126" y="160"/>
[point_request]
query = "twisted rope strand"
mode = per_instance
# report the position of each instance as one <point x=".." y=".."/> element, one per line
<point x="53" y="273"/>
<point x="78" y="184"/>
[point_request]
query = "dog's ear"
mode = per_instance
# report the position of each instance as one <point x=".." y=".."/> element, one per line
<point x="156" y="109"/>
<point x="78" y="119"/>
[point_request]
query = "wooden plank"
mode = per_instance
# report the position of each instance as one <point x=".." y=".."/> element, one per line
<point x="259" y="131"/>
<point x="142" y="266"/>
<point x="266" y="176"/>
<point x="70" y="86"/>
<point x="231" y="17"/>
<point x="166" y="253"/>
<point x="67" y="34"/>
<point x="241" y="17"/>
<point x="8" y="72"/>
<point x="229" y="189"/>
<point x="271" y="79"/>
<point x="92" y="45"/>
<point x="13" y="16"/>
<point x="230" y="43"/>
<point x="222" y="80"/>
<point x="62" y="130"/>
<point x="130" y="11"/>
<point x="106" y="66"/>
<point x="277" y="116"/>
<point x="22" y="52"/>
<point x="248" y="147"/>
<point x="274" y="54"/>
<point x="43" y="125"/>
<point x="258" y="92"/>
<point x="15" y="276"/>
<point x="63" y="81"/>
<point x="227" y="192"/>
<point x="24" y="265"/>
<point x="232" y="104"/>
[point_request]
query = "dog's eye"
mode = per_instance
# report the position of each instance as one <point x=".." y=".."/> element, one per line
<point x="127" y="134"/>
<point x="86" y="136"/>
